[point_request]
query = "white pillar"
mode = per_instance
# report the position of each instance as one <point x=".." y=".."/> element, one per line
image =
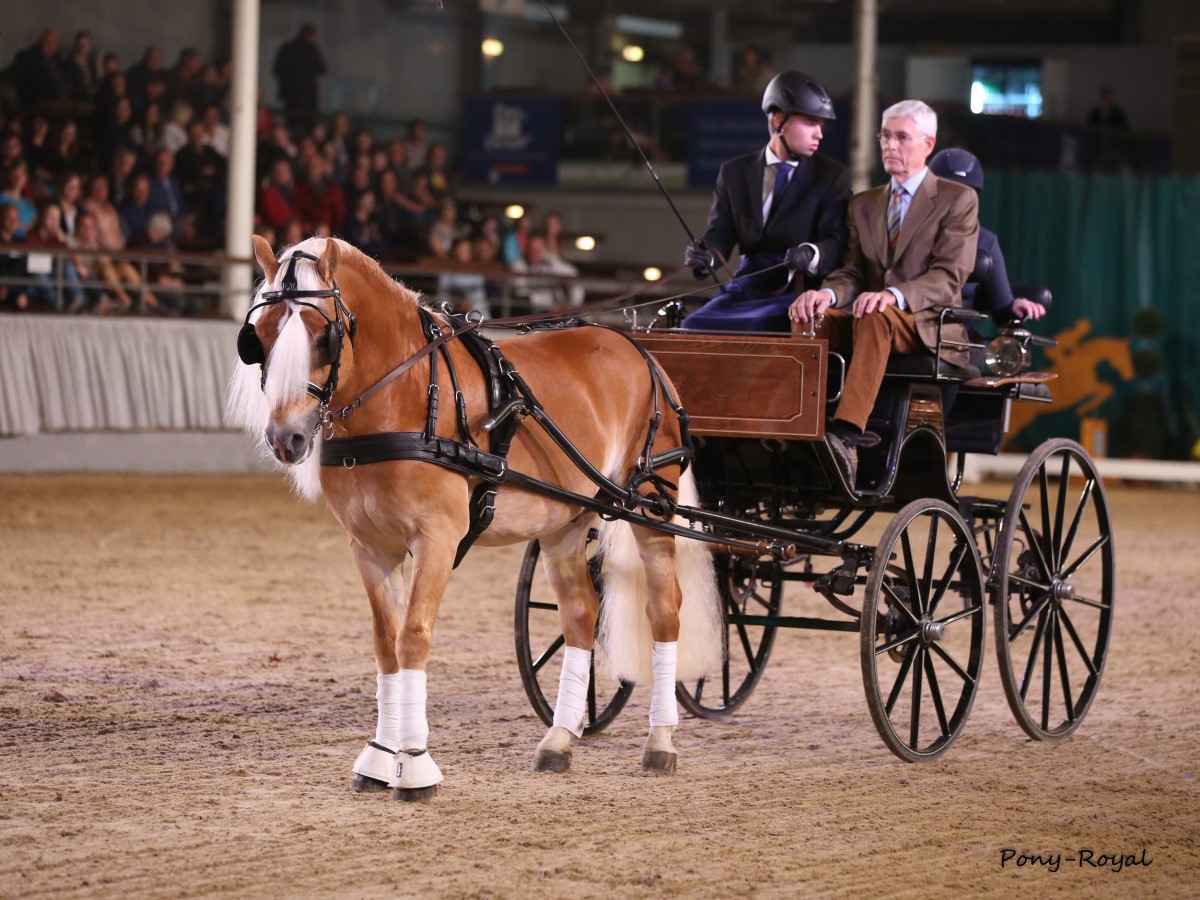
<point x="863" y="149"/>
<point x="239" y="224"/>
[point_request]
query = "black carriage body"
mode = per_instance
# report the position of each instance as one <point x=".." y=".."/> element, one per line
<point x="919" y="595"/>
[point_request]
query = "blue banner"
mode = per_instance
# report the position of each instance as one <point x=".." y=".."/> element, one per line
<point x="511" y="140"/>
<point x="719" y="130"/>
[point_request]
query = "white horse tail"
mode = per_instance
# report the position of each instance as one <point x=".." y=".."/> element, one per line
<point x="625" y="644"/>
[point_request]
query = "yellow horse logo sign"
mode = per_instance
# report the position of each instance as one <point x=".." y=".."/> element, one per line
<point x="1078" y="386"/>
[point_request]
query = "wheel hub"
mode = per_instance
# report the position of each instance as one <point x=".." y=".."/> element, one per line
<point x="932" y="631"/>
<point x="1062" y="590"/>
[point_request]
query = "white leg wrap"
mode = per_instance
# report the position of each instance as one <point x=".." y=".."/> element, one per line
<point x="416" y="770"/>
<point x="412" y="726"/>
<point x="387" y="729"/>
<point x="570" y="712"/>
<point x="663" y="708"/>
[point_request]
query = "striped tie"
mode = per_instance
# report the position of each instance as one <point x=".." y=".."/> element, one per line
<point x="894" y="209"/>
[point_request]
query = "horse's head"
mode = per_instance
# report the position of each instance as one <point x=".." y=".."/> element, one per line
<point x="300" y="333"/>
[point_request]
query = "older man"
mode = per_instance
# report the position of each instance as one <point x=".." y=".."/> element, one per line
<point x="912" y="246"/>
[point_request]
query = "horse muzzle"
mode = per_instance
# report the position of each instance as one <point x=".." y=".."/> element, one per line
<point x="290" y="444"/>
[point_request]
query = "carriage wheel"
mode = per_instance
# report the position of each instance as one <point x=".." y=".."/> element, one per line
<point x="1052" y="581"/>
<point x="749" y="587"/>
<point x="922" y="630"/>
<point x="540" y="641"/>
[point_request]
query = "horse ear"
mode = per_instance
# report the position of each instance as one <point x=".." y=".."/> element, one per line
<point x="265" y="256"/>
<point x="328" y="262"/>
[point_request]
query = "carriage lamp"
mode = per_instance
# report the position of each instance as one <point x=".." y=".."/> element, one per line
<point x="1007" y="354"/>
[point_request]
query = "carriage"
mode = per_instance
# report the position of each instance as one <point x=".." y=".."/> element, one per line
<point x="919" y="593"/>
<point x="342" y="370"/>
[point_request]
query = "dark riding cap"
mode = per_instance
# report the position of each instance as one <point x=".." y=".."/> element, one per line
<point x="797" y="94"/>
<point x="958" y="165"/>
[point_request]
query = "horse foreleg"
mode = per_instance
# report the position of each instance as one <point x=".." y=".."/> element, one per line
<point x="658" y="558"/>
<point x="578" y="607"/>
<point x="383" y="578"/>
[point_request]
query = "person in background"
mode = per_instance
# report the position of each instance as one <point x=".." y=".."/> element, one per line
<point x="414" y="145"/>
<point x="298" y="68"/>
<point x="463" y="285"/>
<point x="68" y="194"/>
<point x="552" y="227"/>
<point x="277" y="199"/>
<point x="12" y="263"/>
<point x="47" y="234"/>
<point x="16" y="193"/>
<point x="361" y="228"/>
<point x="993" y="294"/>
<point x="545" y="294"/>
<point x="753" y="74"/>
<point x="166" y="193"/>
<point x="201" y="172"/>
<point x="320" y="202"/>
<point x="147" y="81"/>
<point x="444" y="230"/>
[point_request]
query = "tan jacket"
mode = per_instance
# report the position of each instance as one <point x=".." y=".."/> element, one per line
<point x="935" y="253"/>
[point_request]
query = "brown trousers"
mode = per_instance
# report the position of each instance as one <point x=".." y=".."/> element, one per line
<point x="871" y="338"/>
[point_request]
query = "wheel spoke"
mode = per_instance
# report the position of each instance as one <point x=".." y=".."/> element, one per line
<point x="910" y="574"/>
<point x="901" y="677"/>
<point x="1031" y="537"/>
<point x="1047" y="670"/>
<point x="549" y="654"/>
<point x="1062" y="670"/>
<point x="900" y="603"/>
<point x="930" y="549"/>
<point x="952" y="663"/>
<point x="1087" y="659"/>
<point x="1038" y="633"/>
<point x="936" y="694"/>
<point x="1087" y="601"/>
<point x="898" y="642"/>
<point x="1064" y="481"/>
<point x="1013" y="576"/>
<point x="1088" y="486"/>
<point x="914" y="721"/>
<point x="1044" y="491"/>
<point x="960" y="615"/>
<point x="744" y="636"/>
<point x="948" y="576"/>
<point x="1035" y="610"/>
<point x="1087" y="554"/>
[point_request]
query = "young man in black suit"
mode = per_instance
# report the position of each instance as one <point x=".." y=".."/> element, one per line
<point x="785" y="203"/>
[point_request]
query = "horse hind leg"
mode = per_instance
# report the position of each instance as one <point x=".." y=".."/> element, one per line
<point x="578" y="605"/>
<point x="664" y="599"/>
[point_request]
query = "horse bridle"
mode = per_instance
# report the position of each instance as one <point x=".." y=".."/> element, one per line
<point x="250" y="348"/>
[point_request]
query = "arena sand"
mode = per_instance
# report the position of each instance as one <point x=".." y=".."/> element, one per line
<point x="186" y="677"/>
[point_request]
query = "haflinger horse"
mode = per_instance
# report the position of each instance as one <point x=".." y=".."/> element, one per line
<point x="327" y="315"/>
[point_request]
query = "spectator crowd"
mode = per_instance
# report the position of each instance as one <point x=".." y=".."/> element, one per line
<point x="98" y="158"/>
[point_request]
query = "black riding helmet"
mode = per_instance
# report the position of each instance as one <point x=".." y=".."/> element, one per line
<point x="958" y="165"/>
<point x="797" y="94"/>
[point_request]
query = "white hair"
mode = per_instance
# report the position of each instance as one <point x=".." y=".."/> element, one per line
<point x="917" y="110"/>
<point x="249" y="403"/>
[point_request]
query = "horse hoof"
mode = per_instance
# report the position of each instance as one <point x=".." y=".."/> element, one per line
<point x="552" y="761"/>
<point x="415" y="795"/>
<point x="660" y="762"/>
<point x="365" y="784"/>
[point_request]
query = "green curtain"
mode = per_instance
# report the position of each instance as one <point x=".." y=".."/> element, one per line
<point x="1110" y="246"/>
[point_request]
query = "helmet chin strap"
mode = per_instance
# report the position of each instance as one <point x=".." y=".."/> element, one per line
<point x="792" y="154"/>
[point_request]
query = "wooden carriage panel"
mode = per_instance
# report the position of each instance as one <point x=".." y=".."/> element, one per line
<point x="738" y="386"/>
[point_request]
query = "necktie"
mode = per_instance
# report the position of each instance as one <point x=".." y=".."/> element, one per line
<point x="782" y="173"/>
<point x="895" y="207"/>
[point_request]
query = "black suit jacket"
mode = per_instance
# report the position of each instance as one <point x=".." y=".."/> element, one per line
<point x="813" y="210"/>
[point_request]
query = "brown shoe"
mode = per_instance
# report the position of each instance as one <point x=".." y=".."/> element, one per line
<point x="845" y="455"/>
